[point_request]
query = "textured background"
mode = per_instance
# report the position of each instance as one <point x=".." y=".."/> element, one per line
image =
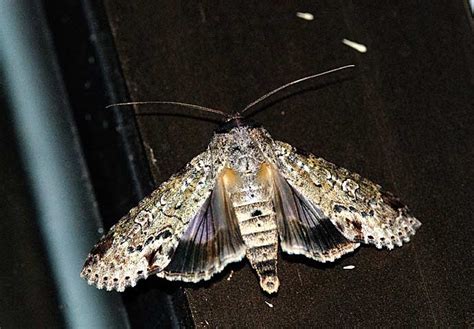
<point x="402" y="120"/>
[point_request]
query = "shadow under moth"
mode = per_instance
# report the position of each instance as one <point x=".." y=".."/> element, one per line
<point x="246" y="196"/>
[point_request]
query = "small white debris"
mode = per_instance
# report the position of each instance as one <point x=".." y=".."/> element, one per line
<point x="349" y="267"/>
<point x="357" y="46"/>
<point x="100" y="230"/>
<point x="269" y="304"/>
<point x="230" y="275"/>
<point x="282" y="113"/>
<point x="305" y="16"/>
<point x="152" y="154"/>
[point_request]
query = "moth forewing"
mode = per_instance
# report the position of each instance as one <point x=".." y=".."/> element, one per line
<point x="359" y="208"/>
<point x="145" y="239"/>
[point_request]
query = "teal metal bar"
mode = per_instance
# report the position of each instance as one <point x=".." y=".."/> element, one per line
<point x="68" y="217"/>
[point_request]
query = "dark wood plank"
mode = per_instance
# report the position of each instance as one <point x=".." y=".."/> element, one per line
<point x="401" y="121"/>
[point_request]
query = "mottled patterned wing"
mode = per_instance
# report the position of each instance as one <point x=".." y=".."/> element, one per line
<point x="145" y="240"/>
<point x="360" y="209"/>
<point x="303" y="228"/>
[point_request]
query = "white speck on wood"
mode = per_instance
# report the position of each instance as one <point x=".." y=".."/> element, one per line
<point x="230" y="275"/>
<point x="349" y="267"/>
<point x="299" y="277"/>
<point x="305" y="16"/>
<point x="269" y="304"/>
<point x="152" y="156"/>
<point x="357" y="46"/>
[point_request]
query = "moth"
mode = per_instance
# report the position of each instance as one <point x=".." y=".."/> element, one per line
<point x="247" y="196"/>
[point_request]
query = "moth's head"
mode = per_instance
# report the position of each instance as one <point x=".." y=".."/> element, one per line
<point x="236" y="122"/>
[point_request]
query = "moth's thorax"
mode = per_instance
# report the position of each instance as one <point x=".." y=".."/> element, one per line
<point x="242" y="147"/>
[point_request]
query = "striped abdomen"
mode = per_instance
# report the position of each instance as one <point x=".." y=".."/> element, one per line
<point x="254" y="208"/>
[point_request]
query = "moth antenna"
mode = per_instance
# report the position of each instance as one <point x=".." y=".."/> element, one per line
<point x="309" y="77"/>
<point x="192" y="106"/>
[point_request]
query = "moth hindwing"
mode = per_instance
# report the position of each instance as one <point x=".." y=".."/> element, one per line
<point x="246" y="196"/>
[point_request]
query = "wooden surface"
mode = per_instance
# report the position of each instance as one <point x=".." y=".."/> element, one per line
<point x="402" y="120"/>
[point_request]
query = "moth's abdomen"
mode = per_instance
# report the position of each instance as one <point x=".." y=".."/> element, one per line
<point x="257" y="223"/>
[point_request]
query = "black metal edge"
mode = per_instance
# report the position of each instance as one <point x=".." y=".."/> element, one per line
<point x="54" y="163"/>
<point x="115" y="89"/>
<point x="92" y="91"/>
